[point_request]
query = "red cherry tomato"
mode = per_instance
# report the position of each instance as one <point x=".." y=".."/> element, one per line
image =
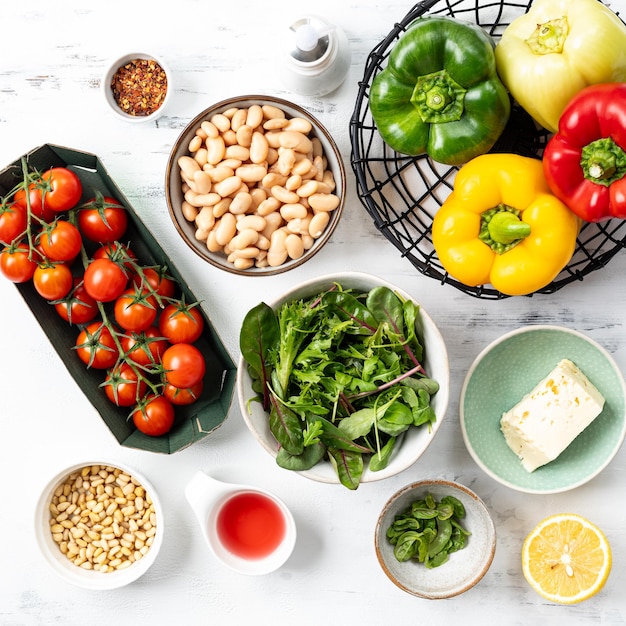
<point x="12" y="222"/>
<point x="182" y="397"/>
<point x="157" y="281"/>
<point x="105" y="280"/>
<point x="181" y="323"/>
<point x="184" y="365"/>
<point x="37" y="206"/>
<point x="53" y="281"/>
<point x="62" y="189"/>
<point x="102" y="219"/>
<point x="61" y="241"/>
<point x="123" y="387"/>
<point x="145" y="348"/>
<point x="78" y="307"/>
<point x="135" y="310"/>
<point x="96" y="347"/>
<point x="16" y="265"/>
<point x="155" y="416"/>
<point x="118" y="253"/>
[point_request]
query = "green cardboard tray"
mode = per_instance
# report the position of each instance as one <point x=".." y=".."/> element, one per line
<point x="193" y="422"/>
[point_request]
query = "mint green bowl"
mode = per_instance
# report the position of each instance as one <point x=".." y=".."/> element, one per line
<point x="508" y="369"/>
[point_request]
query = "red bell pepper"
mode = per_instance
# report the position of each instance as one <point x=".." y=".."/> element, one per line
<point x="585" y="160"/>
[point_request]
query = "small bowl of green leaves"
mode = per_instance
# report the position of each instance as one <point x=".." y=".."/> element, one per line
<point x="343" y="379"/>
<point x="435" y="539"/>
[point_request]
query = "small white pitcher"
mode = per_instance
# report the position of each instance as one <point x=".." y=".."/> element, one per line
<point x="207" y="497"/>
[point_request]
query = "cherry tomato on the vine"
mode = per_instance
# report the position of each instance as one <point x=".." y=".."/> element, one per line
<point x="61" y="241"/>
<point x="118" y="253"/>
<point x="135" y="310"/>
<point x="37" y="206"/>
<point x="182" y="397"/>
<point x="78" y="307"/>
<point x="102" y="219"/>
<point x="157" y="280"/>
<point x="154" y="416"/>
<point x="145" y="348"/>
<point x="123" y="386"/>
<point x="183" y="365"/>
<point x="181" y="323"/>
<point x="96" y="347"/>
<point x="13" y="222"/>
<point x="62" y="189"/>
<point x="16" y="264"/>
<point x="53" y="281"/>
<point x="105" y="280"/>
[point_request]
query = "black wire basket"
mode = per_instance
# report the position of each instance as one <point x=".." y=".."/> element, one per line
<point x="403" y="193"/>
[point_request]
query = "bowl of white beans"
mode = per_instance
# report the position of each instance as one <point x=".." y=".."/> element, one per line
<point x="99" y="525"/>
<point x="255" y="185"/>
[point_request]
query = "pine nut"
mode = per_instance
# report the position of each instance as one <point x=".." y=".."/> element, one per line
<point x="89" y="538"/>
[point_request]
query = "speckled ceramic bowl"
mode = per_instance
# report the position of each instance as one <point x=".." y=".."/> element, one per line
<point x="190" y="231"/>
<point x="464" y="569"/>
<point x="508" y="369"/>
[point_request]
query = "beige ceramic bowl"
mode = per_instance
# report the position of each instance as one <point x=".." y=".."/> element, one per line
<point x="107" y="91"/>
<point x="67" y="569"/>
<point x="464" y="569"/>
<point x="175" y="195"/>
<point x="415" y="441"/>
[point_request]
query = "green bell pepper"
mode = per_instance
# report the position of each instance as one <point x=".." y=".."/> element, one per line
<point x="439" y="93"/>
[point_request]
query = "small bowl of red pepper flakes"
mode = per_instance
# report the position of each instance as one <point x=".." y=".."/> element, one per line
<point x="137" y="87"/>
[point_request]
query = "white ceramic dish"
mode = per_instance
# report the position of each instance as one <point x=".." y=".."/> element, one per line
<point x="508" y="369"/>
<point x="107" y="92"/>
<point x="174" y="192"/>
<point x="415" y="440"/>
<point x="69" y="571"/>
<point x="464" y="569"/>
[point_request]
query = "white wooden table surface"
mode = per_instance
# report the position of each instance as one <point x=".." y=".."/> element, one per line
<point x="52" y="57"/>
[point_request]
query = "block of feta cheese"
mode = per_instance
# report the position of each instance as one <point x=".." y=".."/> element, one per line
<point x="546" y="420"/>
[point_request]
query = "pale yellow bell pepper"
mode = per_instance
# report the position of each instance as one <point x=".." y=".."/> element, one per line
<point x="549" y="54"/>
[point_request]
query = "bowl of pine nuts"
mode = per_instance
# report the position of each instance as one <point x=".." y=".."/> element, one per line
<point x="99" y="525"/>
<point x="255" y="185"/>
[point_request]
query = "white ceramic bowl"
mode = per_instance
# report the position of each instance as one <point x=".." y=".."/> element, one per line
<point x="107" y="91"/>
<point x="174" y="192"/>
<point x="509" y="368"/>
<point x="415" y="440"/>
<point x="464" y="569"/>
<point x="68" y="570"/>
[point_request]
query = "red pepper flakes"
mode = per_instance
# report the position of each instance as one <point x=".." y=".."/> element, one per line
<point x="139" y="87"/>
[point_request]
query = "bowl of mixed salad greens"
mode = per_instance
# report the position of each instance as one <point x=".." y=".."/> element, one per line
<point x="343" y="379"/>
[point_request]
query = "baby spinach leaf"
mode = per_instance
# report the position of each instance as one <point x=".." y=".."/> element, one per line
<point x="259" y="334"/>
<point x="333" y="437"/>
<point x="379" y="460"/>
<point x="387" y="308"/>
<point x="286" y="427"/>
<point x="348" y="465"/>
<point x="350" y="308"/>
<point x="428" y="531"/>
<point x="309" y="457"/>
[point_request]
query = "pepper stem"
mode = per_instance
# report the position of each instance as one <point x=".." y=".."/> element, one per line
<point x="549" y="37"/>
<point x="501" y="228"/>
<point x="438" y="98"/>
<point x="603" y="161"/>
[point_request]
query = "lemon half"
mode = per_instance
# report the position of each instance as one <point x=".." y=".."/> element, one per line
<point x="566" y="558"/>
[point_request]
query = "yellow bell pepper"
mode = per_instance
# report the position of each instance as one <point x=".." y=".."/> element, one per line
<point x="549" y="54"/>
<point x="502" y="225"/>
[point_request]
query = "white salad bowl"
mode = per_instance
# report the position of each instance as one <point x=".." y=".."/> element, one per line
<point x="414" y="441"/>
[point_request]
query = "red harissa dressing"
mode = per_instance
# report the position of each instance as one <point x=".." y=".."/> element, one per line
<point x="250" y="525"/>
